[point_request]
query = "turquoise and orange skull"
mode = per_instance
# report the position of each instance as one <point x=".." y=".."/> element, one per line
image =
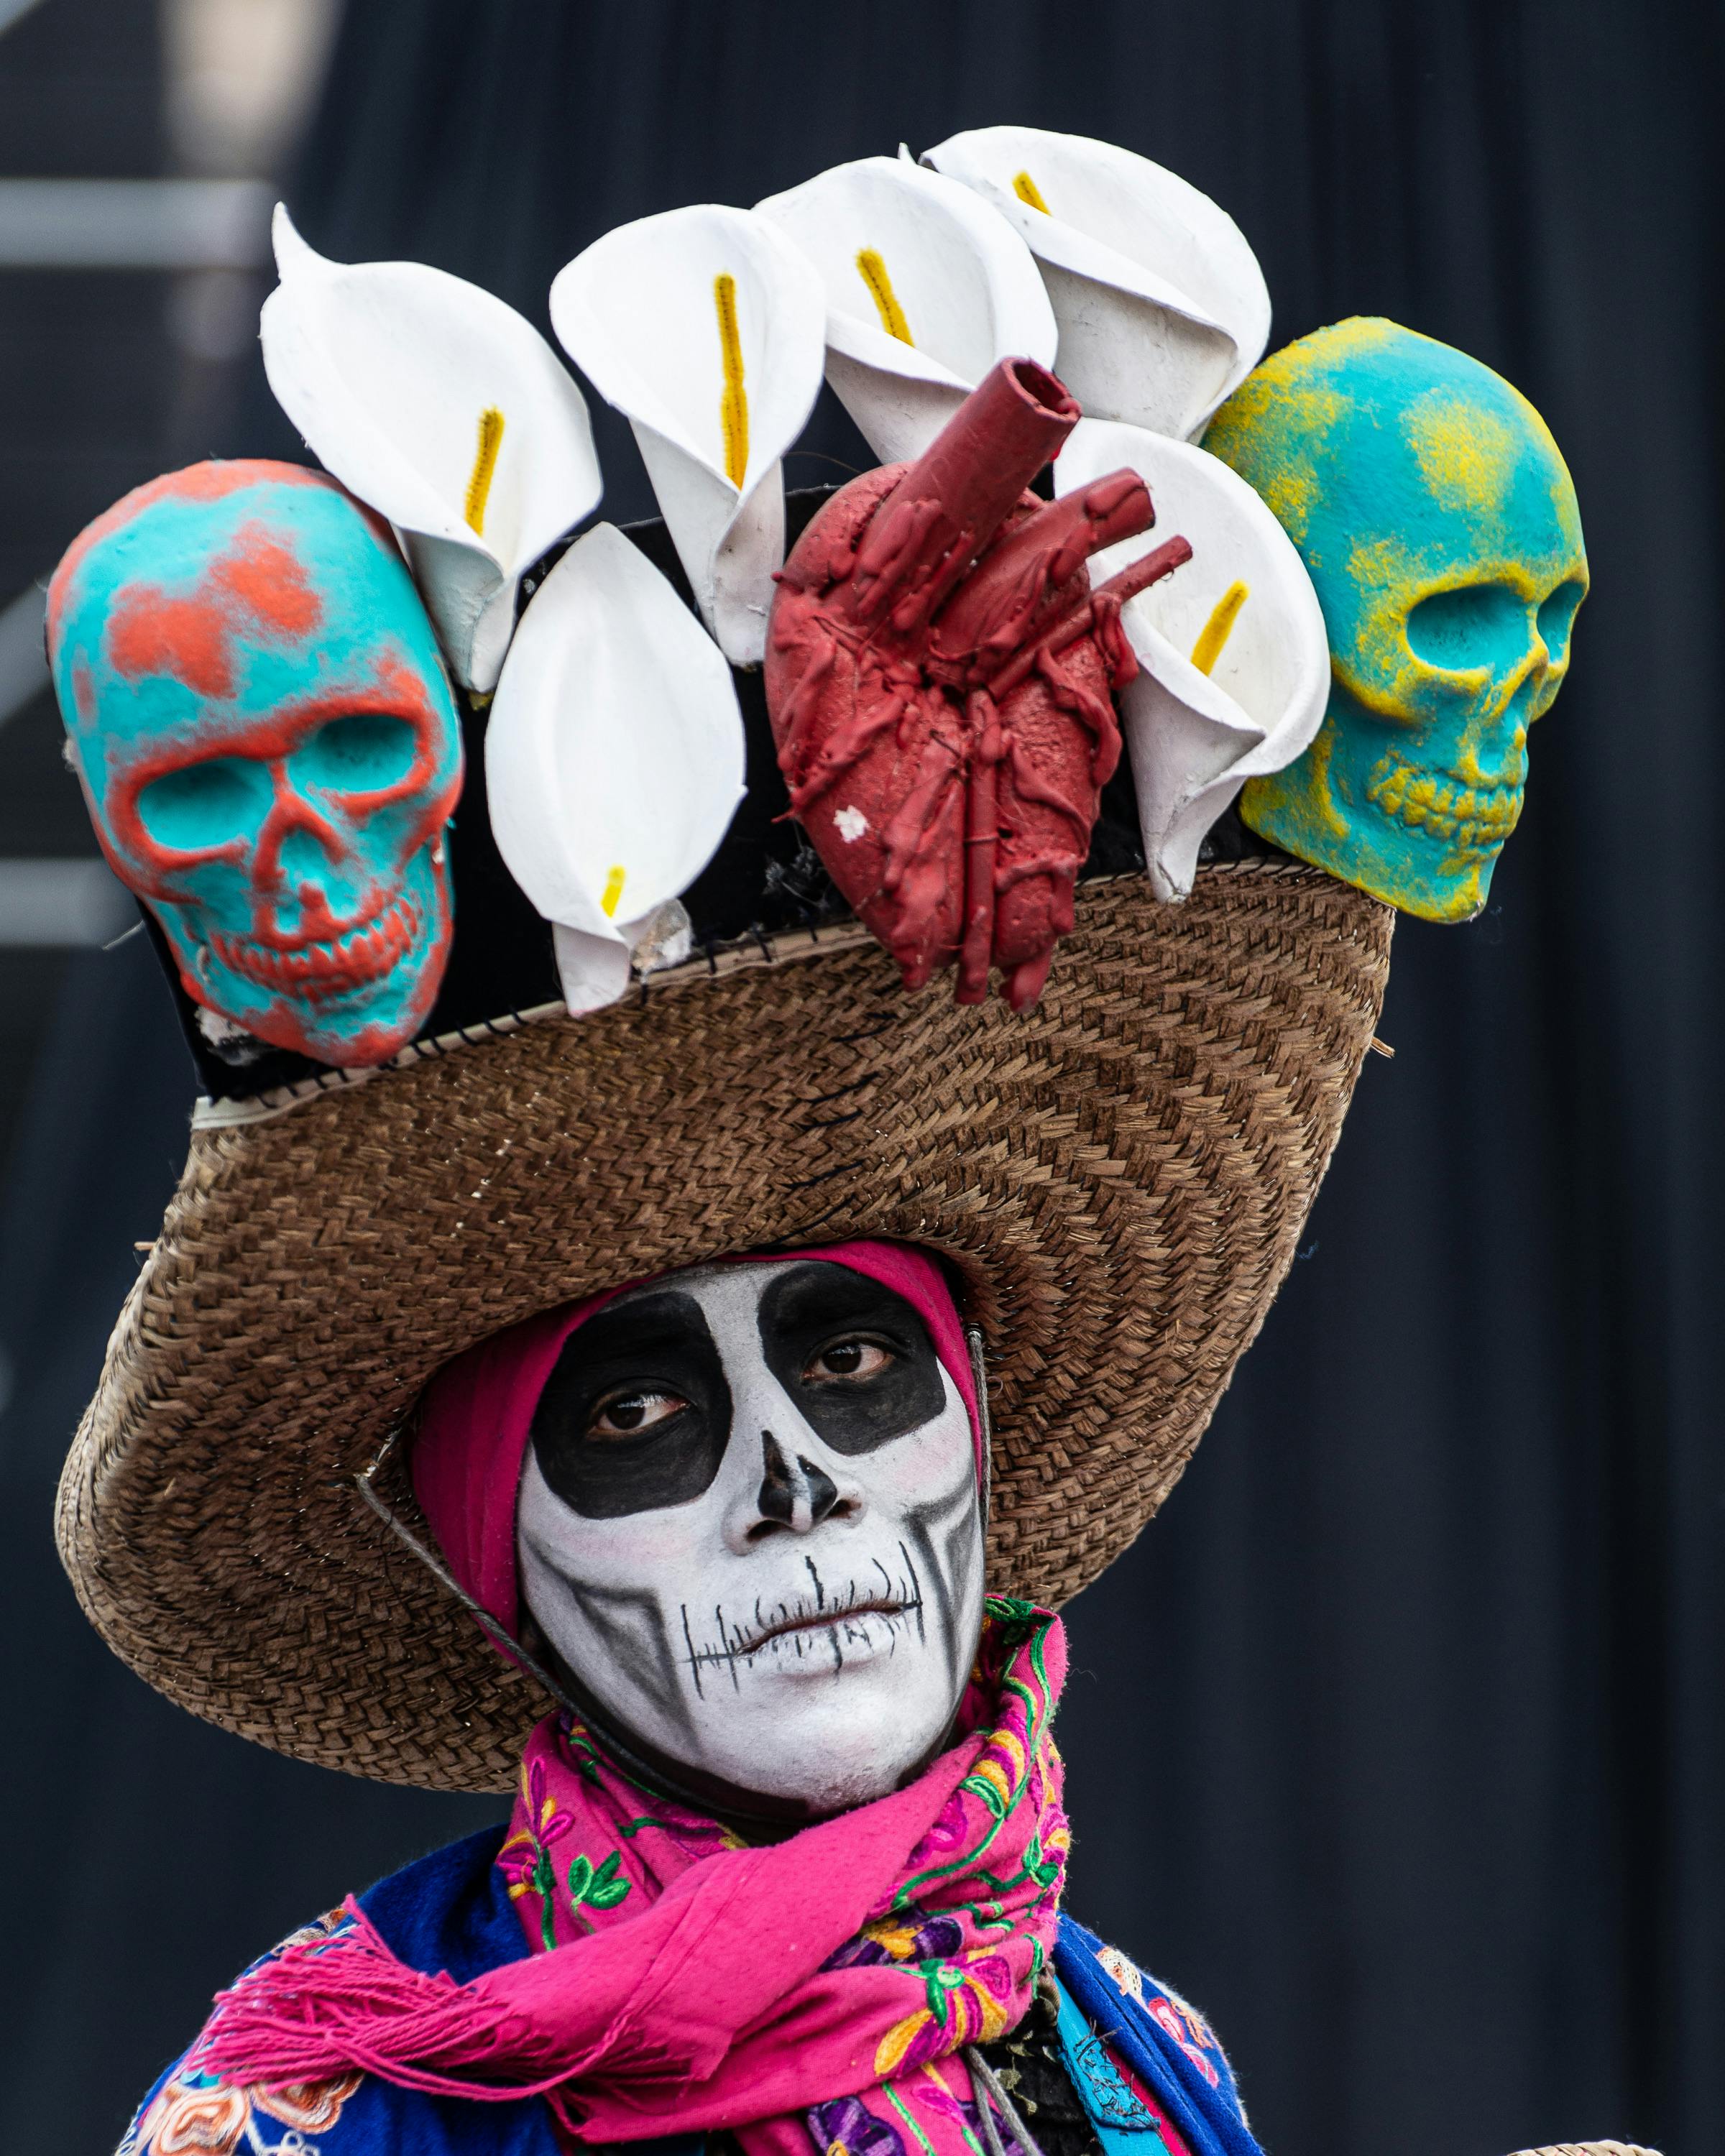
<point x="1439" y="526"/>
<point x="269" y="749"/>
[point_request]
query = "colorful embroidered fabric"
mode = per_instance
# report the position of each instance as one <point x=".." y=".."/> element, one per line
<point x="194" y="2114"/>
<point x="758" y="1982"/>
<point x="947" y="1957"/>
<point x="451" y="1911"/>
<point x="1162" y="2045"/>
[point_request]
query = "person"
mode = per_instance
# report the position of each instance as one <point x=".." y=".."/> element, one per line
<point x="686" y="1413"/>
<point x="623" y="1335"/>
<point x="732" y="1518"/>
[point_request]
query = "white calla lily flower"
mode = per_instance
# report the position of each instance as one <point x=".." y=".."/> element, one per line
<point x="1164" y="311"/>
<point x="927" y="287"/>
<point x="445" y="410"/>
<point x="1234" y="663"/>
<point x="705" y="327"/>
<point x="615" y="761"/>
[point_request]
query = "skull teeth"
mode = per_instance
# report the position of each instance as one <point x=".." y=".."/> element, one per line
<point x="353" y="960"/>
<point x="1467" y="818"/>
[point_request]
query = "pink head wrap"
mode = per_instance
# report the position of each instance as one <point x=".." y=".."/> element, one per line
<point x="477" y="1413"/>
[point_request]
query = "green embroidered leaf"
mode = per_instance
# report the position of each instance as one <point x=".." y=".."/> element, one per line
<point x="600" y="1888"/>
<point x="606" y="1889"/>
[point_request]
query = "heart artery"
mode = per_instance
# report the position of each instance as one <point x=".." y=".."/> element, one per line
<point x="940" y="675"/>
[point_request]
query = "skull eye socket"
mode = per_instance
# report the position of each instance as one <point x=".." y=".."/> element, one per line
<point x="1478" y="627"/>
<point x="205" y="805"/>
<point x="1557" y="619"/>
<point x="361" y="753"/>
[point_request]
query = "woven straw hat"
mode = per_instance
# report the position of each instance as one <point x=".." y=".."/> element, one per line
<point x="1118" y="1179"/>
<point x="1593" y="2148"/>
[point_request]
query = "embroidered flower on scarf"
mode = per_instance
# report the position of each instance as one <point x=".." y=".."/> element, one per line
<point x="969" y="2000"/>
<point x="526" y="1859"/>
<point x="848" y="2127"/>
<point x="197" y="2114"/>
<point x="526" y="1854"/>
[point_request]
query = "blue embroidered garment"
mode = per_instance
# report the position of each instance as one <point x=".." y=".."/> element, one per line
<point x="451" y="1910"/>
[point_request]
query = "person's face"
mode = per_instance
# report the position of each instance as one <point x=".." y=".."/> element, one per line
<point x="750" y="1528"/>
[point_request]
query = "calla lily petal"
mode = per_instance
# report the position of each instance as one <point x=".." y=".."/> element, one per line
<point x="613" y="758"/>
<point x="1164" y="311"/>
<point x="705" y="327"/>
<point x="448" y="413"/>
<point x="1234" y="664"/>
<point x="927" y="287"/>
<point x="595" y="970"/>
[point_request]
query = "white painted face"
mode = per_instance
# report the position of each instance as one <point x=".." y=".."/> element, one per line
<point x="750" y="1528"/>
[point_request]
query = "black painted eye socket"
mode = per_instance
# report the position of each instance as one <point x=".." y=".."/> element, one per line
<point x="636" y="1414"/>
<point x="855" y="1358"/>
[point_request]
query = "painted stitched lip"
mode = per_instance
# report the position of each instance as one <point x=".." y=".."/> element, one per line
<point x="822" y="1621"/>
<point x="794" y="1624"/>
<point x="362" y="954"/>
<point x="1471" y="819"/>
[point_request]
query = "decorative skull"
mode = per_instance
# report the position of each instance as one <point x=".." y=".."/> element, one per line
<point x="1439" y="526"/>
<point x="269" y="748"/>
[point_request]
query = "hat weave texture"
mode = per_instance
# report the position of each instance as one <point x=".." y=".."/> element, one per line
<point x="1592" y="2149"/>
<point x="1118" y="1179"/>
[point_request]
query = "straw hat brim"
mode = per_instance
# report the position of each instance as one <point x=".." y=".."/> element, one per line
<point x="1118" y="1178"/>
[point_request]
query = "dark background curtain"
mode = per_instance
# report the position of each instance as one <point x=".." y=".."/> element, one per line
<point x="1397" y="1744"/>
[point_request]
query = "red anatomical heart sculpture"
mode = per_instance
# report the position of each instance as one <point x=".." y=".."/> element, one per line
<point x="939" y="673"/>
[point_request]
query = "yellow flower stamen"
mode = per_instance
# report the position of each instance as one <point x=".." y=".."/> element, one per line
<point x="1027" y="191"/>
<point x="1219" y="627"/>
<point x="613" y="893"/>
<point x="484" y="468"/>
<point x="873" y="272"/>
<point x="734" y="405"/>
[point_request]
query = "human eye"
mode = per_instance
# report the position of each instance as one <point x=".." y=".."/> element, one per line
<point x="848" y="1360"/>
<point x="631" y="1411"/>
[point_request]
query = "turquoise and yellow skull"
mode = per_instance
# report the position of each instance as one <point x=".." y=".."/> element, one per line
<point x="1439" y="526"/>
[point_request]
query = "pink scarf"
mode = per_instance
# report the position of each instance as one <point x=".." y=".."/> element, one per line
<point x="824" y="1986"/>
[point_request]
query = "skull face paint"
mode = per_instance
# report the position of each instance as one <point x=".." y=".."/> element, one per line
<point x="1440" y="524"/>
<point x="269" y="747"/>
<point x="749" y="1527"/>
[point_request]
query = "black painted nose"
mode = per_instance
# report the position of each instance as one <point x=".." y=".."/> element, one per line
<point x="794" y="1493"/>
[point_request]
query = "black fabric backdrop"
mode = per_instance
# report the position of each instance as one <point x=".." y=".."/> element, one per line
<point x="1397" y="1744"/>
